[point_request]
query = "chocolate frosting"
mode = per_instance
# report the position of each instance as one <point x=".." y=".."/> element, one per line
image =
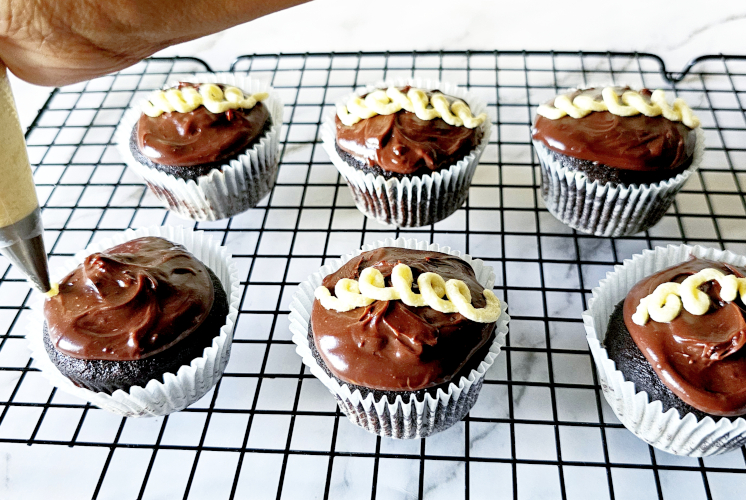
<point x="640" y="143"/>
<point x="200" y="136"/>
<point x="129" y="302"/>
<point x="389" y="345"/>
<point x="702" y="359"/>
<point x="404" y="144"/>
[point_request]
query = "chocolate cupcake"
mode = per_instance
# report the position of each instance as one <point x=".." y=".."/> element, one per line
<point x="192" y="141"/>
<point x="613" y="158"/>
<point x="131" y="314"/>
<point x="668" y="333"/>
<point x="408" y="149"/>
<point x="143" y="327"/>
<point x="400" y="360"/>
<point x="208" y="147"/>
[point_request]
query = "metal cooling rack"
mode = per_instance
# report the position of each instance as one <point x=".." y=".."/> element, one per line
<point x="541" y="428"/>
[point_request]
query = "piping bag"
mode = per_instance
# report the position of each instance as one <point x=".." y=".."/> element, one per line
<point x="21" y="230"/>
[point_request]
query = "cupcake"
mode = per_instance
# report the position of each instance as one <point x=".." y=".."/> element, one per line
<point x="401" y="360"/>
<point x="142" y="327"/>
<point x="408" y="149"/>
<point x="668" y="333"/>
<point x="613" y="158"/>
<point x="207" y="148"/>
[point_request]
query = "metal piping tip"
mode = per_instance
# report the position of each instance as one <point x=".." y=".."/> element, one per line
<point x="31" y="257"/>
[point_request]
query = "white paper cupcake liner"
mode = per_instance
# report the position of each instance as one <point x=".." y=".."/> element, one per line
<point x="646" y="419"/>
<point x="608" y="209"/>
<point x="416" y="418"/>
<point x="417" y="200"/>
<point x="191" y="382"/>
<point x="224" y="192"/>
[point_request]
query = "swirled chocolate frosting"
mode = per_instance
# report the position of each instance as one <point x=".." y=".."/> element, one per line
<point x="389" y="345"/>
<point x="702" y="359"/>
<point x="639" y="143"/>
<point x="404" y="144"/>
<point x="129" y="302"/>
<point x="200" y="136"/>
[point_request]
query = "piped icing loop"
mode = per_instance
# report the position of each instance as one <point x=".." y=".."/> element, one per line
<point x="401" y="278"/>
<point x="351" y="294"/>
<point x="430" y="285"/>
<point x="215" y="98"/>
<point x="668" y="299"/>
<point x="347" y="298"/>
<point x="372" y="285"/>
<point x="620" y="102"/>
<point x="391" y="100"/>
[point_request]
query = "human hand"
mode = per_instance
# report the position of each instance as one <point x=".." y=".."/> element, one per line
<point x="59" y="42"/>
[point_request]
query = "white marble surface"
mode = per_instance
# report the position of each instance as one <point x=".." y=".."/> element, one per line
<point x="531" y="440"/>
<point x="677" y="31"/>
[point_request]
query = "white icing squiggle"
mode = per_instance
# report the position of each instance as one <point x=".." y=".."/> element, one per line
<point x="389" y="101"/>
<point x="351" y="294"/>
<point x="209" y="95"/>
<point x="667" y="300"/>
<point x="629" y="103"/>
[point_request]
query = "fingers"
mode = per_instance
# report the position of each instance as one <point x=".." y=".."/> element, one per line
<point x="59" y="42"/>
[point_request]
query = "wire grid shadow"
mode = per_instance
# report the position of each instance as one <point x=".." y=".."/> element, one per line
<point x="540" y="429"/>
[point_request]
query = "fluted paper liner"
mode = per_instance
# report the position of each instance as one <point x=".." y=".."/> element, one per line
<point x="416" y="200"/>
<point x="226" y="191"/>
<point x="608" y="209"/>
<point x="417" y="418"/>
<point x="666" y="431"/>
<point x="191" y="382"/>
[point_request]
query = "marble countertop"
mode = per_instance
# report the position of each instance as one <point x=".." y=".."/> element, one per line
<point x="547" y="374"/>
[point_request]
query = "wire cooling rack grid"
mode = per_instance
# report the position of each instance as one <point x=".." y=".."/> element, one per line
<point x="541" y="428"/>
